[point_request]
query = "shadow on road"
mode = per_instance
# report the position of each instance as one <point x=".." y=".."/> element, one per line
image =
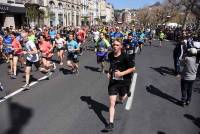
<point x="65" y="71"/>
<point x="19" y="117"/>
<point x="195" y="120"/>
<point x="97" y="107"/>
<point x="160" y="132"/>
<point x="95" y="69"/>
<point x="164" y="70"/>
<point x="153" y="90"/>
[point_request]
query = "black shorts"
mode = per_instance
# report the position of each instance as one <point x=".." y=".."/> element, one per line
<point x="47" y="58"/>
<point x="52" y="40"/>
<point x="117" y="87"/>
<point x="62" y="48"/>
<point x="101" y="58"/>
<point x="161" y="39"/>
<point x="73" y="57"/>
<point x="29" y="64"/>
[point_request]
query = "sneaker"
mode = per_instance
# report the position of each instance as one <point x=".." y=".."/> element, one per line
<point x="129" y="94"/>
<point x="49" y="74"/>
<point x="13" y="76"/>
<point x="26" y="86"/>
<point x="61" y="63"/>
<point x="109" y="127"/>
<point x="183" y="103"/>
<point x="187" y="103"/>
<point x="54" y="66"/>
<point x="1" y="87"/>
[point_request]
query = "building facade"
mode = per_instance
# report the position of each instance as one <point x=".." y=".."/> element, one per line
<point x="18" y="13"/>
<point x="109" y="13"/>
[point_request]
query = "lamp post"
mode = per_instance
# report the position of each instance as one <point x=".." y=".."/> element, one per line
<point x="32" y="12"/>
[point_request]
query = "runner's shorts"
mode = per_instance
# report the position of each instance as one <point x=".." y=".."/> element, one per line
<point x="101" y="59"/>
<point x="117" y="87"/>
<point x="29" y="64"/>
<point x="73" y="57"/>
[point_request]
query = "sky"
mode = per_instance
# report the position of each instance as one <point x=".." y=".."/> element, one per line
<point x="121" y="4"/>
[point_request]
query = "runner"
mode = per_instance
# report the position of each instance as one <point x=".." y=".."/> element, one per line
<point x="95" y="35"/>
<point x="52" y="34"/>
<point x="81" y="36"/>
<point x="120" y="74"/>
<point x="141" y="37"/>
<point x="72" y="58"/>
<point x="130" y="45"/>
<point x="17" y="51"/>
<point x="161" y="37"/>
<point x="32" y="57"/>
<point x="8" y="50"/>
<point x="101" y="49"/>
<point x="59" y="43"/>
<point x="46" y="50"/>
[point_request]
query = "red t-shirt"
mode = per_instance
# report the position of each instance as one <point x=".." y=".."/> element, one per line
<point x="16" y="46"/>
<point x="44" y="48"/>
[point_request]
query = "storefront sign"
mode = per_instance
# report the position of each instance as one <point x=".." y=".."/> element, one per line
<point x="3" y="9"/>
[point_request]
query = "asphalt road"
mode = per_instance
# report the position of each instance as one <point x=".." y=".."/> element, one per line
<point x="67" y="104"/>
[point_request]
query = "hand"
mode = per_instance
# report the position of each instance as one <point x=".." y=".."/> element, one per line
<point x="24" y="52"/>
<point x="108" y="75"/>
<point x="118" y="74"/>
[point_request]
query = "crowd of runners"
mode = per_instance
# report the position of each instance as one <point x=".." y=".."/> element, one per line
<point x="116" y="45"/>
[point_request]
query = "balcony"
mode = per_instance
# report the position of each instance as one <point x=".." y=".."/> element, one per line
<point x="10" y="1"/>
<point x="39" y="2"/>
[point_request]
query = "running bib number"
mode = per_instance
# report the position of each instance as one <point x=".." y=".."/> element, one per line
<point x="130" y="52"/>
<point x="117" y="78"/>
<point x="102" y="49"/>
<point x="70" y="48"/>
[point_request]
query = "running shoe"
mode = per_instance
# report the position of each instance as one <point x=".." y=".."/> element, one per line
<point x="13" y="76"/>
<point x="26" y="86"/>
<point x="1" y="87"/>
<point x="109" y="127"/>
<point x="54" y="66"/>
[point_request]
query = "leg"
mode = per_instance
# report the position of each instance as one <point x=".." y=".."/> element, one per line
<point x="112" y="100"/>
<point x="11" y="62"/>
<point x="28" y="70"/>
<point x="15" y="60"/>
<point x="183" y="90"/>
<point x="61" y="56"/>
<point x="189" y="91"/>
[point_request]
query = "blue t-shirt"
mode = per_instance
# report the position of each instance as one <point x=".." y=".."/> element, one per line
<point x="132" y="43"/>
<point x="118" y="35"/>
<point x="52" y="34"/>
<point x="71" y="46"/>
<point x="7" y="40"/>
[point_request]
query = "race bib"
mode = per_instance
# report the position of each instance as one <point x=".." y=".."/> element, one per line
<point x="101" y="49"/>
<point x="117" y="78"/>
<point x="70" y="48"/>
<point x="130" y="52"/>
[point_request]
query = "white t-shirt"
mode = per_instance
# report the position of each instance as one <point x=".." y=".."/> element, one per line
<point x="31" y="57"/>
<point x="96" y="35"/>
<point x="60" y="42"/>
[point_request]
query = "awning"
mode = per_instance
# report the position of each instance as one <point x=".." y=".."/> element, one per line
<point x="11" y="9"/>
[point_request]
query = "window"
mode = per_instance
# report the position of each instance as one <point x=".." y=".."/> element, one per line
<point x="51" y="4"/>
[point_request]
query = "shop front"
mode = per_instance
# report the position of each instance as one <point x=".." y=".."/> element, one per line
<point x="12" y="16"/>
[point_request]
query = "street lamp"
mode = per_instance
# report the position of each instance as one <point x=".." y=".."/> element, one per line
<point x="32" y="11"/>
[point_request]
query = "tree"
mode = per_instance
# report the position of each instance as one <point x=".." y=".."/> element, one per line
<point x="186" y="6"/>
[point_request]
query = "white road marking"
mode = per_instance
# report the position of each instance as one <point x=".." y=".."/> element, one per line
<point x="21" y="89"/>
<point x="132" y="90"/>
